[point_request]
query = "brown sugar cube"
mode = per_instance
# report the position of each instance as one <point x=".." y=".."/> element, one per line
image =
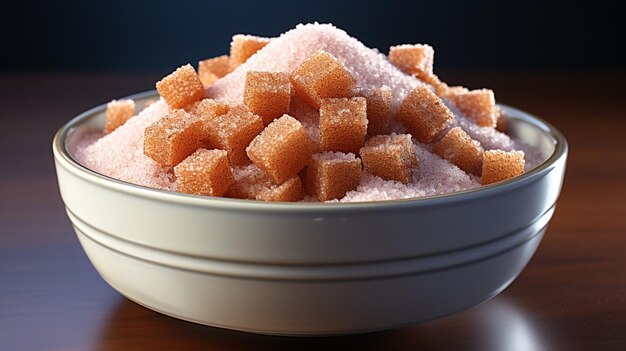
<point x="181" y="88"/>
<point x="267" y="94"/>
<point x="282" y="149"/>
<point x="343" y="124"/>
<point x="207" y="77"/>
<point x="460" y="149"/>
<point x="379" y="111"/>
<point x="233" y="132"/>
<point x="321" y="76"/>
<point x="207" y="109"/>
<point x="424" y="114"/>
<point x="244" y="46"/>
<point x="501" y="124"/>
<point x="117" y="113"/>
<point x="205" y="172"/>
<point x="501" y="165"/>
<point x="216" y="65"/>
<point x="413" y="59"/>
<point x="451" y="91"/>
<point x="441" y="88"/>
<point x="249" y="181"/>
<point x="330" y="175"/>
<point x="479" y="104"/>
<point x="212" y="69"/>
<point x="172" y="138"/>
<point x="289" y="191"/>
<point x="391" y="157"/>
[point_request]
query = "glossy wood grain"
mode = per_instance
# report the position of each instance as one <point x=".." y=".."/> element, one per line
<point x="572" y="295"/>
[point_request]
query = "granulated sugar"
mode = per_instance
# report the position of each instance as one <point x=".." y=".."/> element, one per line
<point x="368" y="67"/>
<point x="492" y="139"/>
<point x="434" y="176"/>
<point x="308" y="116"/>
<point x="120" y="154"/>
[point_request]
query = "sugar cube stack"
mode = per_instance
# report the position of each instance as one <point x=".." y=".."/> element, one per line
<point x="317" y="115"/>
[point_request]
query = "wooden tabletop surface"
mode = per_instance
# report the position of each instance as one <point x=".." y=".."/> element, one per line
<point x="572" y="295"/>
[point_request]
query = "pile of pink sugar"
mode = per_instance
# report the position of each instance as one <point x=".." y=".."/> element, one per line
<point x="120" y="154"/>
<point x="370" y="68"/>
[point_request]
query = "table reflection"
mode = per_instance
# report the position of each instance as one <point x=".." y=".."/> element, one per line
<point x="499" y="324"/>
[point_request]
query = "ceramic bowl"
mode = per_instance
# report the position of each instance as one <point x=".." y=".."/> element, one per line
<point x="310" y="269"/>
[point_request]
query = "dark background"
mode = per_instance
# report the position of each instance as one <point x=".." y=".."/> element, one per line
<point x="156" y="36"/>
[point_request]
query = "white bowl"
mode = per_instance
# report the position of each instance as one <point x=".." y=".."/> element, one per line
<point x="310" y="269"/>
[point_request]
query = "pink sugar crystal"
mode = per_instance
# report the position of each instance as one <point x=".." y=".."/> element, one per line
<point x="120" y="153"/>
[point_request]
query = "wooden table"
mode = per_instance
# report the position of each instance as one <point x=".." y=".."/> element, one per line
<point x="572" y="295"/>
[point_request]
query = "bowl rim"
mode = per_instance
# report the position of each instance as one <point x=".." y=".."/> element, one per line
<point x="64" y="158"/>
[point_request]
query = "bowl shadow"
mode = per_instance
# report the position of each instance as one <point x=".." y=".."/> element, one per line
<point x="495" y="325"/>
